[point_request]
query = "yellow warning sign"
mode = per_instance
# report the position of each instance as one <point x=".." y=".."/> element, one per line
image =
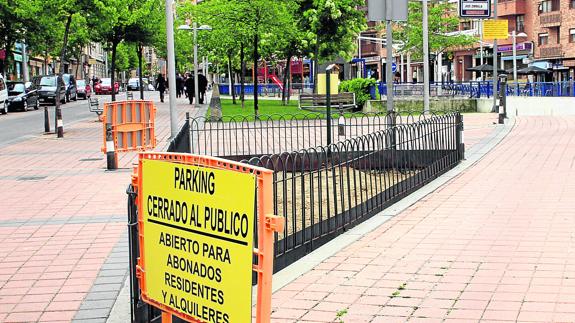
<point x="198" y="226"/>
<point x="322" y="81"/>
<point x="495" y="29"/>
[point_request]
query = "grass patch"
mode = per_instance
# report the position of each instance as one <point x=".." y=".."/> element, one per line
<point x="270" y="110"/>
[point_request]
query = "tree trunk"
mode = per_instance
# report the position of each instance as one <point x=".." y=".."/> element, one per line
<point x="8" y="54"/>
<point x="315" y="65"/>
<point x="233" y="86"/>
<point x="79" y="58"/>
<point x="46" y="61"/>
<point x="289" y="83"/>
<point x="140" y="48"/>
<point x="256" y="41"/>
<point x="58" y="111"/>
<point x="286" y="78"/>
<point x="113" y="76"/>
<point x="242" y="75"/>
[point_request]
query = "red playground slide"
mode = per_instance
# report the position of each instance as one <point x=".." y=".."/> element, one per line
<point x="277" y="81"/>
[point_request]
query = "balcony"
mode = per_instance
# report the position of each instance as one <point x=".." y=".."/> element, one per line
<point x="369" y="49"/>
<point x="551" y="51"/>
<point x="550" y="19"/>
<point x="511" y="8"/>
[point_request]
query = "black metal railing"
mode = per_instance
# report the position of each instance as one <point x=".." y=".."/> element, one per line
<point x="241" y="137"/>
<point x="321" y="189"/>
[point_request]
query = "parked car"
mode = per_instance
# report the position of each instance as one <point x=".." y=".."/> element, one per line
<point x="84" y="89"/>
<point x="133" y="84"/>
<point x="20" y="97"/>
<point x="46" y="86"/>
<point x="105" y="87"/>
<point x="3" y="95"/>
<point x="71" y="89"/>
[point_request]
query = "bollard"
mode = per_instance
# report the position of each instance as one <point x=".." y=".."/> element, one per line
<point x="111" y="160"/>
<point x="341" y="125"/>
<point x="502" y="99"/>
<point x="59" y="124"/>
<point x="460" y="136"/>
<point x="46" y="120"/>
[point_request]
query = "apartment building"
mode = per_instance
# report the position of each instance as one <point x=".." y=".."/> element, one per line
<point x="546" y="39"/>
<point x="554" y="37"/>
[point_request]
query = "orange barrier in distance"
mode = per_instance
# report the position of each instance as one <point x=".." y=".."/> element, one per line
<point x="132" y="125"/>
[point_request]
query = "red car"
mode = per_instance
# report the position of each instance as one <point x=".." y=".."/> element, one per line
<point x="105" y="87"/>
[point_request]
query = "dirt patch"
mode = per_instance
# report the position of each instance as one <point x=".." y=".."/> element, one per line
<point x="307" y="198"/>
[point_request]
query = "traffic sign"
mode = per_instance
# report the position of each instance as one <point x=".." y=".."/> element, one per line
<point x="475" y="8"/>
<point x="393" y="67"/>
<point x="377" y="10"/>
<point x="496" y="29"/>
<point x="197" y="230"/>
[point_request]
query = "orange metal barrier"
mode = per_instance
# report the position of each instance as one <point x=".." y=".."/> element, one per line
<point x="267" y="225"/>
<point x="132" y="124"/>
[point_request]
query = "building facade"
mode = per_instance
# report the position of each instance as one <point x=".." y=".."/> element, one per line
<point x="545" y="38"/>
<point x="554" y="36"/>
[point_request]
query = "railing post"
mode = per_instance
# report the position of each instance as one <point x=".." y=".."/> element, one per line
<point x="328" y="100"/>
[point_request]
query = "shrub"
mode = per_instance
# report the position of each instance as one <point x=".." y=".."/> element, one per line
<point x="360" y="87"/>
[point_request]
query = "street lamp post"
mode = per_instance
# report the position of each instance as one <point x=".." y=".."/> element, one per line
<point x="195" y="29"/>
<point x="514" y="36"/>
<point x="171" y="68"/>
<point x="425" y="59"/>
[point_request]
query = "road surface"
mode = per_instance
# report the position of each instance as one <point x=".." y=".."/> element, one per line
<point x="18" y="126"/>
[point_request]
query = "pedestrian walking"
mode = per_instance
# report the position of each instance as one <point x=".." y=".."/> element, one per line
<point x="179" y="81"/>
<point x="161" y="86"/>
<point x="202" y="86"/>
<point x="190" y="88"/>
<point x="185" y="78"/>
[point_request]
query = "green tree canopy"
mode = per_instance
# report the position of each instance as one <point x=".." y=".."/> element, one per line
<point x="442" y="20"/>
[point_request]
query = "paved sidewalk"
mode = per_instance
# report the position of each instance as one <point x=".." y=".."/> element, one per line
<point x="63" y="241"/>
<point x="494" y="244"/>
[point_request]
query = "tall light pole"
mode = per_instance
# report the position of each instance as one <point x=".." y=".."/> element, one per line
<point x="514" y="36"/>
<point x="171" y="68"/>
<point x="425" y="59"/>
<point x="495" y="107"/>
<point x="195" y="29"/>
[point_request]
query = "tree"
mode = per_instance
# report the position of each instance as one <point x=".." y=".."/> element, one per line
<point x="442" y="20"/>
<point x="16" y="21"/>
<point x="141" y="33"/>
<point x="65" y="10"/>
<point x="333" y="28"/>
<point x="122" y="18"/>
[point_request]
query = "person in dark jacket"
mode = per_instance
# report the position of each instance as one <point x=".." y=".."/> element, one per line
<point x="202" y="86"/>
<point x="161" y="86"/>
<point x="190" y="88"/>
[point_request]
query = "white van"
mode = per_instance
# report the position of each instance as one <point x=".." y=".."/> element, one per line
<point x="3" y="96"/>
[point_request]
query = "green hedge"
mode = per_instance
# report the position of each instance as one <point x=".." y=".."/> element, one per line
<point x="360" y="87"/>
